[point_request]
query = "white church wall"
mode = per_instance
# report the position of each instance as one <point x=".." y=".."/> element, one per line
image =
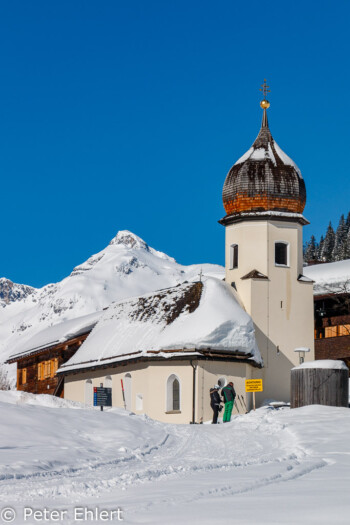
<point x="148" y="382"/>
<point x="149" y="387"/>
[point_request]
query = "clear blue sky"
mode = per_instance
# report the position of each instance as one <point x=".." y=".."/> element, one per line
<point x="128" y="115"/>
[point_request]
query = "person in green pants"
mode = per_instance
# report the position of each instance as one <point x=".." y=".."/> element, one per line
<point x="229" y="395"/>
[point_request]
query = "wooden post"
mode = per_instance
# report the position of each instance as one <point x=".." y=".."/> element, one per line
<point x="254" y="400"/>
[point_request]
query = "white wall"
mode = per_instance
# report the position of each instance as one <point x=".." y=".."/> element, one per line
<point x="149" y="386"/>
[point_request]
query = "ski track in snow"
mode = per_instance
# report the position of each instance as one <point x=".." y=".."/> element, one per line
<point x="260" y="445"/>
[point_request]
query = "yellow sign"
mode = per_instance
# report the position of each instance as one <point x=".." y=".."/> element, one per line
<point x="253" y="385"/>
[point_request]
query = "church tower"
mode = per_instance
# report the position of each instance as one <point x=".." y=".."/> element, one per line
<point x="264" y="197"/>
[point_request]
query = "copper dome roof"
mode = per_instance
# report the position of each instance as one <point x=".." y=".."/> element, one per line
<point x="264" y="179"/>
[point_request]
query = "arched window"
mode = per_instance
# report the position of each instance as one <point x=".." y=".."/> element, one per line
<point x="107" y="382"/>
<point x="173" y="394"/>
<point x="234" y="256"/>
<point x="281" y="253"/>
<point x="222" y="381"/>
<point x="88" y="392"/>
<point x="127" y="390"/>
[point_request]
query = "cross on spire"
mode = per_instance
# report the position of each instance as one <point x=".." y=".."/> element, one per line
<point x="265" y="89"/>
<point x="265" y="104"/>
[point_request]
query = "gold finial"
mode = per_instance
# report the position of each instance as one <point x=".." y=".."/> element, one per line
<point x="265" y="89"/>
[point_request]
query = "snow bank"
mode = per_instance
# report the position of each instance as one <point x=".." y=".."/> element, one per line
<point x="323" y="363"/>
<point x="41" y="436"/>
<point x="218" y="323"/>
<point x="15" y="397"/>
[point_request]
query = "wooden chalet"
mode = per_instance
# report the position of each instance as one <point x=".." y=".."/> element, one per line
<point x="40" y="356"/>
<point x="332" y="326"/>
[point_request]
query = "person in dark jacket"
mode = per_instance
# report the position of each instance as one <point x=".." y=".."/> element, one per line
<point x="215" y="403"/>
<point x="229" y="395"/>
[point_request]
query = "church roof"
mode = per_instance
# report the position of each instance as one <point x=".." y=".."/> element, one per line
<point x="188" y="319"/>
<point x="264" y="179"/>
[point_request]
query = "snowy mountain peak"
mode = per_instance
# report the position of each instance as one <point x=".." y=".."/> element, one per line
<point x="127" y="267"/>
<point x="129" y="240"/>
<point x="11" y="292"/>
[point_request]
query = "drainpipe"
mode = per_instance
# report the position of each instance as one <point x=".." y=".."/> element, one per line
<point x="194" y="393"/>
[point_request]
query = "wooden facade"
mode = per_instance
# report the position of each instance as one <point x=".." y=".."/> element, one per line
<point x="36" y="370"/>
<point x="332" y="327"/>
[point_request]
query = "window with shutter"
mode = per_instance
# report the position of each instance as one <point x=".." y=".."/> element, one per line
<point x="54" y="366"/>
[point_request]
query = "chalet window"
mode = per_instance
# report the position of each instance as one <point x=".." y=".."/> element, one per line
<point x="344" y="329"/>
<point x="173" y="394"/>
<point x="281" y="254"/>
<point x="331" y="331"/>
<point x="21" y="376"/>
<point x="234" y="256"/>
<point x="47" y="369"/>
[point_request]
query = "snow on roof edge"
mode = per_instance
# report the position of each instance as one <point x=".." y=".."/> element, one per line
<point x="328" y="364"/>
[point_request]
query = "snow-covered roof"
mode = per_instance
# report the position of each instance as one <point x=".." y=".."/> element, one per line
<point x="186" y="318"/>
<point x="329" y="364"/>
<point x="330" y="277"/>
<point x="263" y="153"/>
<point x="54" y="335"/>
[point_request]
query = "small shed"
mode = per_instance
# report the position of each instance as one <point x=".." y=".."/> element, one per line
<point x="322" y="382"/>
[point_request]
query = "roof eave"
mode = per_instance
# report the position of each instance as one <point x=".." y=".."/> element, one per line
<point x="210" y="353"/>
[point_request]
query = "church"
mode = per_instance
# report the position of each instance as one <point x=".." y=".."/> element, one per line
<point x="161" y="352"/>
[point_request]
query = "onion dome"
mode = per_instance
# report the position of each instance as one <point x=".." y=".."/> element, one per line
<point x="264" y="179"/>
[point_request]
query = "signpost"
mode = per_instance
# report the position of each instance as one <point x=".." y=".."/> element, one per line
<point x="123" y="393"/>
<point x="102" y="397"/>
<point x="253" y="385"/>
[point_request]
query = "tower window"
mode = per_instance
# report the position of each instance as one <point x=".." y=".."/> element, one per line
<point x="234" y="256"/>
<point x="281" y="254"/>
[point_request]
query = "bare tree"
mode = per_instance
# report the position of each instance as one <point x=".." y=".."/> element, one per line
<point x="4" y="381"/>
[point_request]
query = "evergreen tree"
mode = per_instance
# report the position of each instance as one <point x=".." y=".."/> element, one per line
<point x="311" y="250"/>
<point x="347" y="222"/>
<point x="320" y="248"/>
<point x="346" y="247"/>
<point x="340" y="240"/>
<point x="328" y="244"/>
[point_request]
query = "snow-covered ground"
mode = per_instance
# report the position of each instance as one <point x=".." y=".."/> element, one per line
<point x="272" y="466"/>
